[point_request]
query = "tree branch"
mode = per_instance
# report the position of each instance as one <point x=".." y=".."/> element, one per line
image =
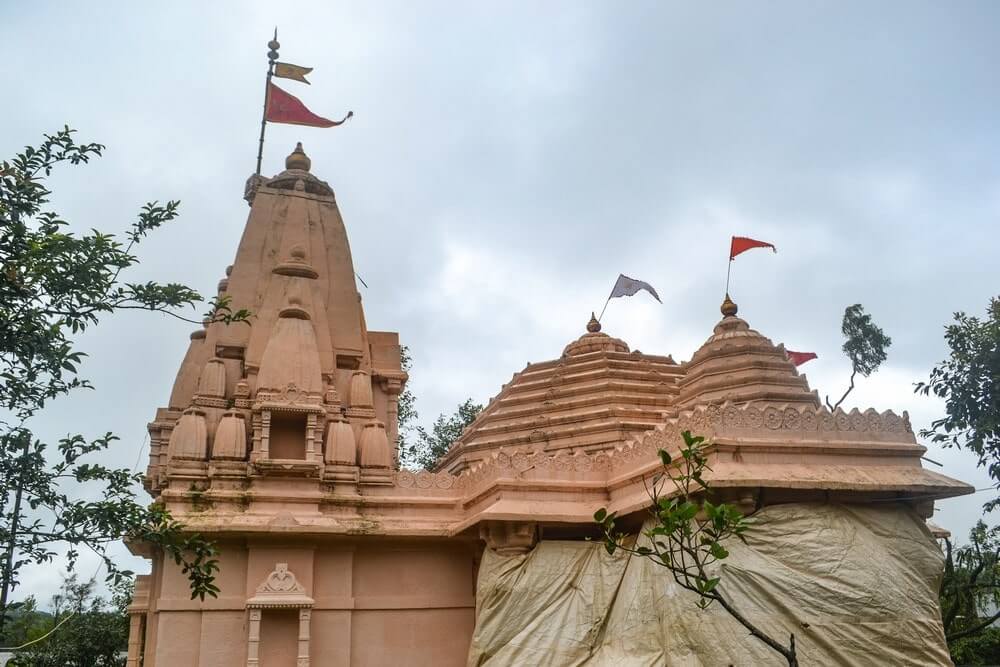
<point x="850" y="388"/>
<point x="974" y="629"/>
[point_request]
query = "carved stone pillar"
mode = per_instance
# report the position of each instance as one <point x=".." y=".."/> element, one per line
<point x="135" y="633"/>
<point x="137" y="611"/>
<point x="392" y="386"/>
<point x="305" y="614"/>
<point x="313" y="437"/>
<point x="253" y="639"/>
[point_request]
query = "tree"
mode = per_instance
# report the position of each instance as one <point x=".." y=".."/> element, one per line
<point x="406" y="411"/>
<point x="969" y="382"/>
<point x="418" y="447"/>
<point x="84" y="630"/>
<point x="865" y="346"/>
<point x="970" y="590"/>
<point x="687" y="534"/>
<point x="982" y="648"/>
<point x="27" y="622"/>
<point x="55" y="284"/>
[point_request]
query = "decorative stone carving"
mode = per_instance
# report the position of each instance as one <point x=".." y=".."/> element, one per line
<point x="360" y="393"/>
<point x="296" y="265"/>
<point x="280" y="589"/>
<point x="290" y="367"/>
<point x="189" y="439"/>
<point x="698" y="421"/>
<point x="230" y="437"/>
<point x="374" y="446"/>
<point x="340" y="446"/>
<point x="509" y="538"/>
<point x="241" y="395"/>
<point x="212" y="382"/>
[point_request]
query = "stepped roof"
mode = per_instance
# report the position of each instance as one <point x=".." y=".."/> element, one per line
<point x="599" y="394"/>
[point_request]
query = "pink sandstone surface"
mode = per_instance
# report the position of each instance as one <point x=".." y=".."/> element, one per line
<point x="278" y="442"/>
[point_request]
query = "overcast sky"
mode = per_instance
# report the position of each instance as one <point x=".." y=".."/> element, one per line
<point x="507" y="160"/>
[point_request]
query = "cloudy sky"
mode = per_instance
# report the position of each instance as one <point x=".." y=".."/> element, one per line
<point x="507" y="160"/>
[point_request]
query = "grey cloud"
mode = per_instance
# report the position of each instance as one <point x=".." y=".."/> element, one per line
<point x="564" y="143"/>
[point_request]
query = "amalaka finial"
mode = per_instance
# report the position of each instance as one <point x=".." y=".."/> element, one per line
<point x="593" y="326"/>
<point x="298" y="159"/>
<point x="729" y="308"/>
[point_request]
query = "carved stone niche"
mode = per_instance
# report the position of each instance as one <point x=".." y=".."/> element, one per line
<point x="509" y="538"/>
<point x="287" y="439"/>
<point x="280" y="590"/>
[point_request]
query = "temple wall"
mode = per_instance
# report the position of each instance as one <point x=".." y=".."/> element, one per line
<point x="377" y="602"/>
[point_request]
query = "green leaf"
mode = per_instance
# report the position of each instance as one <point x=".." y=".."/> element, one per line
<point x="664" y="456"/>
<point x="718" y="551"/>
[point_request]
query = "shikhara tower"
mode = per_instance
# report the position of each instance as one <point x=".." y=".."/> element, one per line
<point x="278" y="443"/>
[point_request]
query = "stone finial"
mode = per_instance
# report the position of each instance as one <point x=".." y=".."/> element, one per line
<point x="298" y="159"/>
<point x="359" y="394"/>
<point x="189" y="439"/>
<point x="593" y="326"/>
<point x="729" y="308"/>
<point x="374" y="446"/>
<point x="341" y="448"/>
<point x="230" y="437"/>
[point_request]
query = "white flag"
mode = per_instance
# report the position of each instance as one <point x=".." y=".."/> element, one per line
<point x="628" y="286"/>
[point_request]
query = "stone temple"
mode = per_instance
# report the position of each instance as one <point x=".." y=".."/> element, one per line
<point x="278" y="442"/>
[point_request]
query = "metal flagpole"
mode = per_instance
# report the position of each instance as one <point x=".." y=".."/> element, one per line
<point x="605" y="306"/>
<point x="272" y="56"/>
<point x="729" y="270"/>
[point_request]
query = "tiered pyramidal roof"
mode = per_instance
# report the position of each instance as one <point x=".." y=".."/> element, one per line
<point x="599" y="394"/>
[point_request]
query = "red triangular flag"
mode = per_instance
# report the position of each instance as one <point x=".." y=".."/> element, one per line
<point x="799" y="358"/>
<point x="742" y="244"/>
<point x="284" y="107"/>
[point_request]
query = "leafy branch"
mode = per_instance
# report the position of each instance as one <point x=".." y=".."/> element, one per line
<point x="687" y="534"/>
<point x="55" y="284"/>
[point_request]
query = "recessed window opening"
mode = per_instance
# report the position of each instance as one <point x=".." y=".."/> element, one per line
<point x="288" y="436"/>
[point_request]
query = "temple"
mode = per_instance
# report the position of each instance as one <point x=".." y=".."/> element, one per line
<point x="279" y="443"/>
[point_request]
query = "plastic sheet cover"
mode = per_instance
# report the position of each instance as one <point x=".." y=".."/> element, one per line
<point x="856" y="584"/>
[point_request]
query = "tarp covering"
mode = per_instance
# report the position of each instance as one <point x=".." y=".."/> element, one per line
<point x="856" y="584"/>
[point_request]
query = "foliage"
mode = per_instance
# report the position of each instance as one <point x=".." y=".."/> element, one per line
<point x="865" y="346"/>
<point x="969" y="382"/>
<point x="687" y="533"/>
<point x="420" y="448"/>
<point x="406" y="406"/>
<point x="433" y="444"/>
<point x="970" y="589"/>
<point x="980" y="649"/>
<point x="55" y="284"/>
<point x="84" y="630"/>
<point x="26" y="623"/>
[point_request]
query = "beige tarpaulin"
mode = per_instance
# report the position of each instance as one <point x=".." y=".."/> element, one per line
<point x="856" y="584"/>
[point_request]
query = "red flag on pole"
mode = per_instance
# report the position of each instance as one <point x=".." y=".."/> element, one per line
<point x="283" y="107"/>
<point x="799" y="358"/>
<point x="742" y="244"/>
